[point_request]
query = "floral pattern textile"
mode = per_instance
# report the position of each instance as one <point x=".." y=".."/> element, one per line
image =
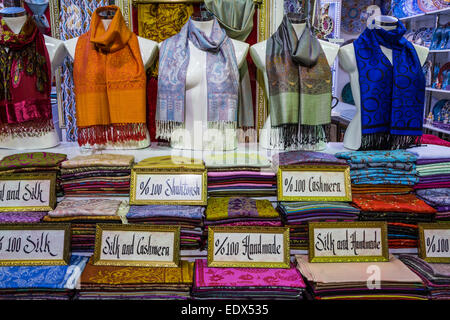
<point x="377" y="156"/>
<point x="435" y="197"/>
<point x="246" y="277"/>
<point x="31" y="160"/>
<point x="392" y="203"/>
<point x="239" y="207"/>
<point x="40" y="277"/>
<point x="191" y="212"/>
<point x="22" y="217"/>
<point x="90" y="207"/>
<point x="107" y="160"/>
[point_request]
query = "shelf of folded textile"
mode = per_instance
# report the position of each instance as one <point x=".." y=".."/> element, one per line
<point x="136" y="283"/>
<point x="353" y="281"/>
<point x="33" y="163"/>
<point x="41" y="282"/>
<point x="381" y="171"/>
<point x="240" y="211"/>
<point x="246" y="283"/>
<point x="433" y="171"/>
<point x="97" y="175"/>
<point x="83" y="216"/>
<point x="297" y="215"/>
<point x="436" y="276"/>
<point x="243" y="174"/>
<point x="402" y="212"/>
<point x="189" y="218"/>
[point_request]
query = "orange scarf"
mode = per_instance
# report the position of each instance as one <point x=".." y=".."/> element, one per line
<point x="110" y="83"/>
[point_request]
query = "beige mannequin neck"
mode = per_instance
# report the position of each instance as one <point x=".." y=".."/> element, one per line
<point x="205" y="26"/>
<point x="15" y="23"/>
<point x="299" y="28"/>
<point x="106" y="23"/>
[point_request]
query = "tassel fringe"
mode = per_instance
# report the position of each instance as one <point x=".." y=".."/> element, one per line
<point x="116" y="133"/>
<point x="164" y="129"/>
<point x="35" y="128"/>
<point x="308" y="137"/>
<point x="386" y="141"/>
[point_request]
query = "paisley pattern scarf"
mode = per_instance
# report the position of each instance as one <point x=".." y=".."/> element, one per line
<point x="25" y="82"/>
<point x="299" y="87"/>
<point x="392" y="95"/>
<point x="222" y="79"/>
<point x="110" y="83"/>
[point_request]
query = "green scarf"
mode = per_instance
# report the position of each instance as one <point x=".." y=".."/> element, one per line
<point x="299" y="88"/>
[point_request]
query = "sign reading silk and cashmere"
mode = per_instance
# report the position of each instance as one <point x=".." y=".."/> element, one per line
<point x="153" y="184"/>
<point x="34" y="244"/>
<point x="348" y="241"/>
<point x="137" y="245"/>
<point x="314" y="183"/>
<point x="252" y="247"/>
<point x="27" y="192"/>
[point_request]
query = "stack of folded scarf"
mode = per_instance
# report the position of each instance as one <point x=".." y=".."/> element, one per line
<point x="97" y="175"/>
<point x="439" y="199"/>
<point x="246" y="283"/>
<point x="241" y="211"/>
<point x="361" y="280"/>
<point x="34" y="163"/>
<point x="237" y="174"/>
<point x="433" y="166"/>
<point x="83" y="216"/>
<point x="189" y="218"/>
<point x="436" y="276"/>
<point x="402" y="213"/>
<point x="296" y="216"/>
<point x="305" y="158"/>
<point x="136" y="283"/>
<point x="382" y="172"/>
<point x="41" y="282"/>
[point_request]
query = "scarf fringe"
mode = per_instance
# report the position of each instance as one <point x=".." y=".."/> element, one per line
<point x="386" y="141"/>
<point x="308" y="137"/>
<point x="247" y="135"/>
<point x="116" y="133"/>
<point x="164" y="129"/>
<point x="35" y="128"/>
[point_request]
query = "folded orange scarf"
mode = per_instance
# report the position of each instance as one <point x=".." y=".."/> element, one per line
<point x="110" y="83"/>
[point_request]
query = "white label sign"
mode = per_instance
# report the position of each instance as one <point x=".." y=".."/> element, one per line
<point x="26" y="194"/>
<point x="133" y="245"/>
<point x="304" y="184"/>
<point x="363" y="243"/>
<point x="248" y="247"/>
<point x="168" y="188"/>
<point x="33" y="246"/>
<point x="435" y="242"/>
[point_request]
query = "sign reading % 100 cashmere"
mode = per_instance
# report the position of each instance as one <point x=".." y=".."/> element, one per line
<point x="434" y="242"/>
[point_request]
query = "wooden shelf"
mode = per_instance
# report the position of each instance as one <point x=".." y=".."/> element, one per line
<point x="431" y="127"/>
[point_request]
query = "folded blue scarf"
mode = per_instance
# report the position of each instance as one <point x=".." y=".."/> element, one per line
<point x="392" y="95"/>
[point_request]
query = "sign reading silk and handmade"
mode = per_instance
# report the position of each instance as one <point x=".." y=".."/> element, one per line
<point x="34" y="244"/>
<point x="137" y="245"/>
<point x="434" y="242"/>
<point x="169" y="180"/>
<point x="348" y="241"/>
<point x="313" y="183"/>
<point x="27" y="192"/>
<point x="253" y="247"/>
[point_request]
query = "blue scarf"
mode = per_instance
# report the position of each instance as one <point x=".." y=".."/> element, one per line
<point x="222" y="79"/>
<point x="392" y="97"/>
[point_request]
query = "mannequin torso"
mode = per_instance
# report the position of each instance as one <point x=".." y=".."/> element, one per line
<point x="57" y="53"/>
<point x="148" y="50"/>
<point x="347" y="60"/>
<point x="258" y="53"/>
<point x="196" y="135"/>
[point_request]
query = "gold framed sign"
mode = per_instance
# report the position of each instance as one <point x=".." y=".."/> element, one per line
<point x="434" y="241"/>
<point x="27" y="192"/>
<point x="348" y="242"/>
<point x="248" y="247"/>
<point x="34" y="244"/>
<point x="314" y="183"/>
<point x="166" y="186"/>
<point x="137" y="245"/>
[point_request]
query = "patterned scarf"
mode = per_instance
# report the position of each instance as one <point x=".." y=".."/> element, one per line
<point x="392" y="96"/>
<point x="299" y="87"/>
<point x="222" y="79"/>
<point x="110" y="83"/>
<point x="25" y="109"/>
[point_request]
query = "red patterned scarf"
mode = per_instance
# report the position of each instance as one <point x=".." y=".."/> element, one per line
<point x="25" y="82"/>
